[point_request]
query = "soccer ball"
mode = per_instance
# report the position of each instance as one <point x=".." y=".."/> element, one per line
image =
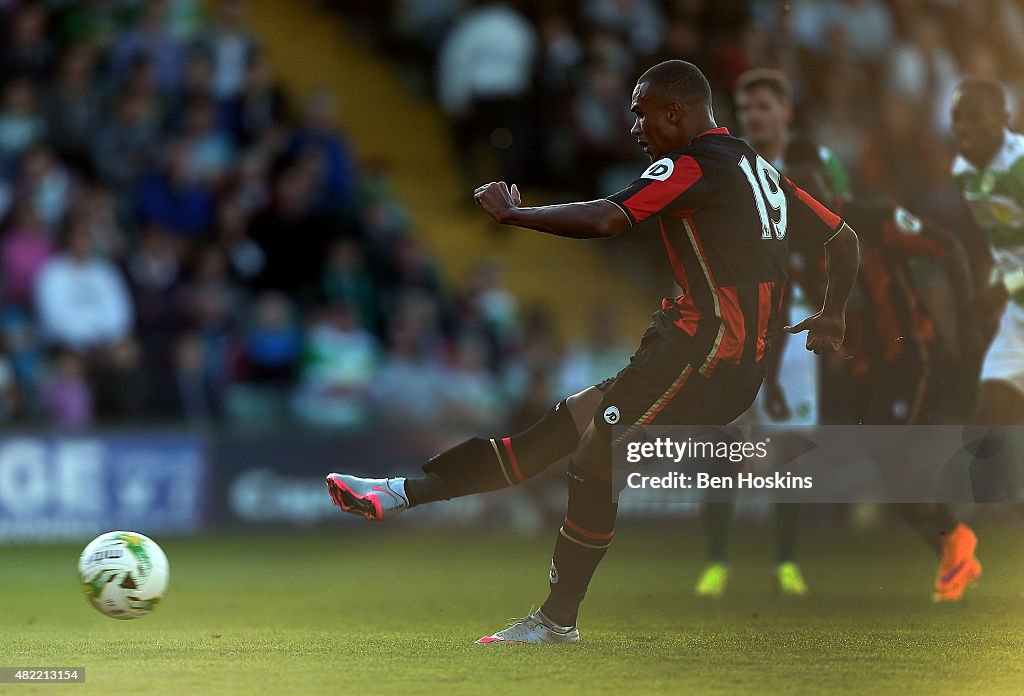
<point x="123" y="574"/>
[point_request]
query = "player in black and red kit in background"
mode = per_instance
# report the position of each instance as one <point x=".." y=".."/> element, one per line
<point x="891" y="357"/>
<point x="725" y="217"/>
<point x="764" y="110"/>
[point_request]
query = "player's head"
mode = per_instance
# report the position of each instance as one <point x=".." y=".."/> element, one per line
<point x="806" y="169"/>
<point x="764" y="107"/>
<point x="979" y="118"/>
<point x="672" y="103"/>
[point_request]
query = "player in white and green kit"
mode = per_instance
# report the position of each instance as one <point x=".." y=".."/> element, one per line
<point x="989" y="171"/>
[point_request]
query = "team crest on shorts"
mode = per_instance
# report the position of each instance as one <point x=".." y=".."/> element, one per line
<point x="611" y="415"/>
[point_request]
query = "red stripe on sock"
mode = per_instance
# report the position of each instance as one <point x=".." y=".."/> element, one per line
<point x="586" y="532"/>
<point x="512" y="458"/>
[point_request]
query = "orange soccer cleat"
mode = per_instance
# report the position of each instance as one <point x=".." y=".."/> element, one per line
<point x="958" y="568"/>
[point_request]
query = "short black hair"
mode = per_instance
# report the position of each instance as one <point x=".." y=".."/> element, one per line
<point x="775" y="80"/>
<point x="679" y="80"/>
<point x="985" y="88"/>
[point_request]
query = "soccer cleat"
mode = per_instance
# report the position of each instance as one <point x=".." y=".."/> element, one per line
<point x="713" y="581"/>
<point x="535" y="629"/>
<point x="958" y="568"/>
<point x="374" y="499"/>
<point x="790" y="580"/>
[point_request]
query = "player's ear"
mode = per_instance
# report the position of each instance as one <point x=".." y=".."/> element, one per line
<point x="674" y="113"/>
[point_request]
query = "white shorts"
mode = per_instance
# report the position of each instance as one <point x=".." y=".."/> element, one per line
<point x="798" y="377"/>
<point x="1004" y="360"/>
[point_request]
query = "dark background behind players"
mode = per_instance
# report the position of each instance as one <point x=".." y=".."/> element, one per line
<point x="195" y="144"/>
<point x="190" y="142"/>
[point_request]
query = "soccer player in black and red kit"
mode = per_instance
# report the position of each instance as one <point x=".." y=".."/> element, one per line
<point x="892" y="350"/>
<point x="726" y="215"/>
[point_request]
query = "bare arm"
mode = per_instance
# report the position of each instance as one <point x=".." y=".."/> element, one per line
<point x="774" y="398"/>
<point x="586" y="220"/>
<point x="842" y="259"/>
<point x="826" y="329"/>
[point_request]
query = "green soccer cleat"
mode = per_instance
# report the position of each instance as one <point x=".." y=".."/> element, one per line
<point x="790" y="580"/>
<point x="713" y="581"/>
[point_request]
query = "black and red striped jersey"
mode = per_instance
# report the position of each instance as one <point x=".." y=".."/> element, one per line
<point x="885" y="309"/>
<point x="725" y="216"/>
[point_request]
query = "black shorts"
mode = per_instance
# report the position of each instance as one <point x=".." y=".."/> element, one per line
<point x="903" y="392"/>
<point x="661" y="385"/>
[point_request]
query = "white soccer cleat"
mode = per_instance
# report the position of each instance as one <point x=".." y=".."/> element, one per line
<point x="535" y="629"/>
<point x="374" y="499"/>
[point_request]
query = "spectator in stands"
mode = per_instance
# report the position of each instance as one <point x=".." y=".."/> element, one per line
<point x="67" y="396"/>
<point x="21" y="123"/>
<point x="200" y="389"/>
<point x="230" y="43"/>
<point x="385" y="218"/>
<point x="272" y="343"/>
<point x="641" y="22"/>
<point x="318" y="140"/>
<point x="598" y="121"/>
<point x="197" y="74"/>
<point x="176" y="198"/>
<point x="209" y="148"/>
<point x="25" y="358"/>
<point x="96" y="206"/>
<point x="127" y="146"/>
<point x="924" y="70"/>
<point x="261" y="105"/>
<point x="28" y="53"/>
<point x="408" y="389"/>
<point x="83" y="305"/>
<point x="599" y="356"/>
<point x="485" y="73"/>
<point x="150" y="38"/>
<point x="292" y="236"/>
<point x="75" y="105"/>
<point x="413" y="277"/>
<point x="472" y="397"/>
<point x="81" y="299"/>
<point x="206" y="352"/>
<point x="24" y="250"/>
<point x="245" y="258"/>
<point x="155" y="276"/>
<point x="339" y="367"/>
<point x="47" y="185"/>
<point x="346" y="279"/>
<point x="492" y="310"/>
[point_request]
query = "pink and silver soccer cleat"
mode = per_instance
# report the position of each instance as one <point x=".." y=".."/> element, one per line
<point x="535" y="629"/>
<point x="374" y="499"/>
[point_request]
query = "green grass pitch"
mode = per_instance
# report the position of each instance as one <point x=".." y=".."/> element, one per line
<point x="387" y="611"/>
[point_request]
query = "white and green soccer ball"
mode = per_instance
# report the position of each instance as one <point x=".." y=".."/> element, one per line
<point x="123" y="574"/>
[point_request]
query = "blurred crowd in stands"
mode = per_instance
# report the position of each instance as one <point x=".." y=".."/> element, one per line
<point x="873" y="79"/>
<point x="180" y="243"/>
<point x="540" y="88"/>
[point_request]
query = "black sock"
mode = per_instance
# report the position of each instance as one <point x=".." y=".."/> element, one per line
<point x="787" y="533"/>
<point x="717" y="524"/>
<point x="580" y="545"/>
<point x="426" y="489"/>
<point x="480" y="465"/>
